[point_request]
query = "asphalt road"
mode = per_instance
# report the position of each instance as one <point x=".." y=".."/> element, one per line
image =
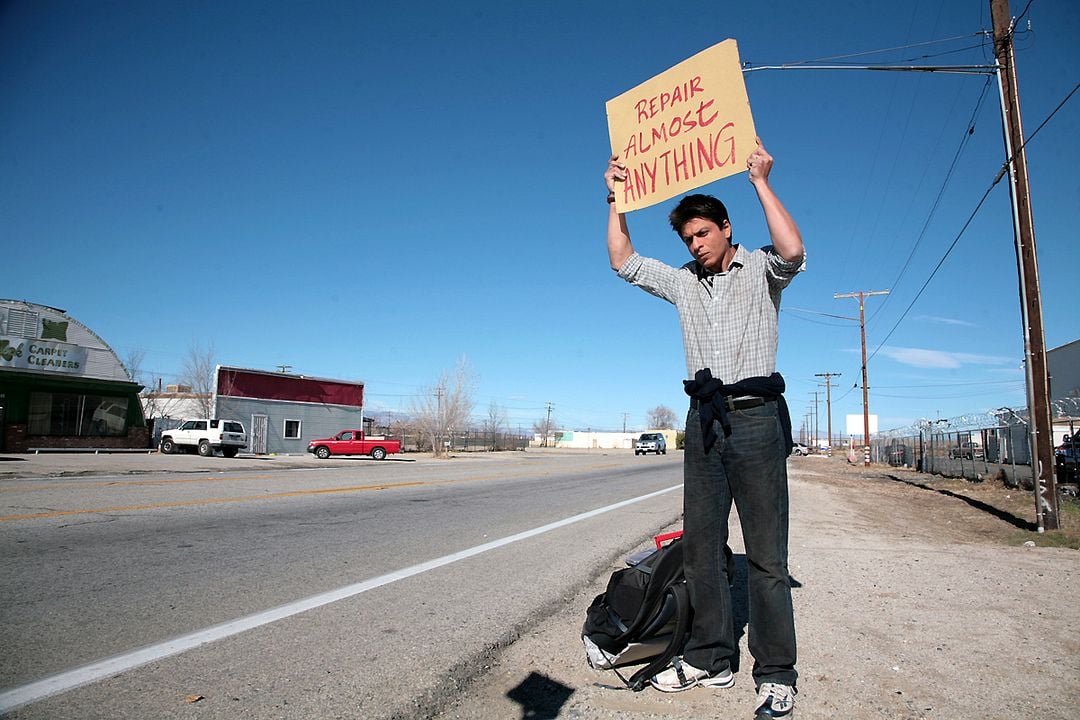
<point x="372" y="590"/>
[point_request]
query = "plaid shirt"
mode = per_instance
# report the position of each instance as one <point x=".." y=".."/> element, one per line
<point x="728" y="318"/>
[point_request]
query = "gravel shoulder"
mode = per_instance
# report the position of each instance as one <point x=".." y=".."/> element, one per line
<point x="916" y="597"/>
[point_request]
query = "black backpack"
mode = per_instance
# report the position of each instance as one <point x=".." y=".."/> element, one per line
<point x="643" y="616"/>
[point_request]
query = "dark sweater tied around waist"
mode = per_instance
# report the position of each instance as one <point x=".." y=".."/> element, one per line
<point x="711" y="392"/>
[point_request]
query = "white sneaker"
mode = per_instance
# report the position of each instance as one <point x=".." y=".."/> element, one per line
<point x="683" y="676"/>
<point x="598" y="658"/>
<point x="775" y="701"/>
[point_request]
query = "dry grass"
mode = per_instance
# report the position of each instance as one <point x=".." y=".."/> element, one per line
<point x="957" y="509"/>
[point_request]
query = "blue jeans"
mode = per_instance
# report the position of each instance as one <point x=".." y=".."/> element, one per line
<point x="749" y="467"/>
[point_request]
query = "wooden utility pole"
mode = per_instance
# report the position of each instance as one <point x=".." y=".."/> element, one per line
<point x="865" y="386"/>
<point x="828" y="403"/>
<point x="817" y="432"/>
<point x="1038" y="381"/>
<point x="438" y="449"/>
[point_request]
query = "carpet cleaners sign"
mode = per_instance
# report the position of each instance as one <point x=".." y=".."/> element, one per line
<point x="682" y="129"/>
<point x="22" y="354"/>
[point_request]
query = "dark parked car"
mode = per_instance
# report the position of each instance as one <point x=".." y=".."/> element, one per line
<point x="967" y="450"/>
<point x="1065" y="456"/>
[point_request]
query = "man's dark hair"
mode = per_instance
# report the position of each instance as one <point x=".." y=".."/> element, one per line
<point x="697" y="206"/>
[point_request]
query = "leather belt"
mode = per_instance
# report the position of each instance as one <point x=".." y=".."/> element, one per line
<point x="733" y="403"/>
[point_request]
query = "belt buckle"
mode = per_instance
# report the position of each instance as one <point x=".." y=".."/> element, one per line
<point x="729" y="403"/>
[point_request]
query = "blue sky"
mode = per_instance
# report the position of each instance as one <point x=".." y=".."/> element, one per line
<point x="367" y="191"/>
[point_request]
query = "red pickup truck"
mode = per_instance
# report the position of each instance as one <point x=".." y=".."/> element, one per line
<point x="353" y="442"/>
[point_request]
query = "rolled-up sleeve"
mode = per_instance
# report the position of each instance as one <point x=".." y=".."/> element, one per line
<point x="651" y="275"/>
<point x="780" y="271"/>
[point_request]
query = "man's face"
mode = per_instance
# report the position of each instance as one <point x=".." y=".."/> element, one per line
<point x="708" y="242"/>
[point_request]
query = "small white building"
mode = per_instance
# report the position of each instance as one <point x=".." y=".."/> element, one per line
<point x="603" y="440"/>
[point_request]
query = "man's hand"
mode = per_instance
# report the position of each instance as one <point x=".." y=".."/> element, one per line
<point x="616" y="172"/>
<point x="759" y="163"/>
<point x="786" y="238"/>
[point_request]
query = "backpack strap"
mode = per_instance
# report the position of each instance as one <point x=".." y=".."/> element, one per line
<point x="640" y="679"/>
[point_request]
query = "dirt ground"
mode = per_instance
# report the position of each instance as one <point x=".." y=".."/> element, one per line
<point x="993" y="513"/>
<point x="915" y="597"/>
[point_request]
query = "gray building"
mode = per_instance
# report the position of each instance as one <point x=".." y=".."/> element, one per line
<point x="1063" y="364"/>
<point x="281" y="411"/>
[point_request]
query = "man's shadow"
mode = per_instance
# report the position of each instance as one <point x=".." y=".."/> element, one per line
<point x="740" y="600"/>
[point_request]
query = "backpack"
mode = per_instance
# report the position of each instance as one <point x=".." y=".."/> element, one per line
<point x="643" y="616"/>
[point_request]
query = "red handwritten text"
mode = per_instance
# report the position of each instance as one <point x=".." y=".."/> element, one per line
<point x="683" y="162"/>
<point x="643" y="141"/>
<point x="648" y="108"/>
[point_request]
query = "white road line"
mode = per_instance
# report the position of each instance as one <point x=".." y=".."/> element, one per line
<point x="71" y="679"/>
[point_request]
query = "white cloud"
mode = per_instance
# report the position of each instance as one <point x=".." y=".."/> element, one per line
<point x="923" y="358"/>
<point x="945" y="320"/>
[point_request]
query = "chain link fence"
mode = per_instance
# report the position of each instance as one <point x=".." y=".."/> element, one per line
<point x="994" y="445"/>
<point x="468" y="441"/>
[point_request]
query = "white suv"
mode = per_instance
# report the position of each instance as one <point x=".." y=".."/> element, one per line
<point x="206" y="436"/>
<point x="650" y="442"/>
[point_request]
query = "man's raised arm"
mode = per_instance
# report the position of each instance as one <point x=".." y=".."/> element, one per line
<point x="786" y="238"/>
<point x="618" y="236"/>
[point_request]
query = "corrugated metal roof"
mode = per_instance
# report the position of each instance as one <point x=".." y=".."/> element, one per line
<point x="42" y="340"/>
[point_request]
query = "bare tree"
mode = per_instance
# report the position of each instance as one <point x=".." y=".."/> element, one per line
<point x="197" y="372"/>
<point x="446" y="406"/>
<point x="544" y="427"/>
<point x="662" y="417"/>
<point x="494" y="423"/>
<point x="404" y="426"/>
<point x="133" y="363"/>
<point x="168" y="405"/>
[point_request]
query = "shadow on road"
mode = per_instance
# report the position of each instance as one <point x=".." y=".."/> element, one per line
<point x="540" y="697"/>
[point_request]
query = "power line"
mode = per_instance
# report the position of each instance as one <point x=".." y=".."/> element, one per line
<point x="944" y="69"/>
<point x="899" y="231"/>
<point x="971" y="217"/>
<point x="951" y="384"/>
<point x="1012" y="31"/>
<point x="818" y="312"/>
<point x="1040" y="127"/>
<point x="941" y="191"/>
<point x="818" y="63"/>
<point x="898" y="47"/>
<point x="935" y="396"/>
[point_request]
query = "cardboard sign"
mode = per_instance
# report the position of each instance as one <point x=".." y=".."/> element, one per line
<point x="682" y="129"/>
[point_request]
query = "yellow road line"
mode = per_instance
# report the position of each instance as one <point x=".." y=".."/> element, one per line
<point x="212" y="501"/>
<point x="177" y="481"/>
<point x="121" y="483"/>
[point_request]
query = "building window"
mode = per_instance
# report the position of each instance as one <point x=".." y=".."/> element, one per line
<point x="292" y="429"/>
<point x="77" y="415"/>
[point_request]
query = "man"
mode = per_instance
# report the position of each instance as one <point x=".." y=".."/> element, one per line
<point x="738" y="433"/>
